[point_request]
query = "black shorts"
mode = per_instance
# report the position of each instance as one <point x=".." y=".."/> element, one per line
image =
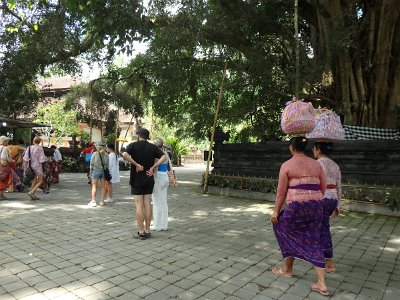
<point x="145" y="189"/>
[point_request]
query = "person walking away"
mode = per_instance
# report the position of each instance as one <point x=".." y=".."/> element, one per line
<point x="86" y="154"/>
<point x="16" y="152"/>
<point x="34" y="157"/>
<point x="160" y="190"/>
<point x="331" y="201"/>
<point x="301" y="184"/>
<point x="114" y="170"/>
<point x="6" y="178"/>
<point x="141" y="155"/>
<point x="97" y="161"/>
<point x="56" y="164"/>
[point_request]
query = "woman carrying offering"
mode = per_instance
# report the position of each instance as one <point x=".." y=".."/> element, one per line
<point x="302" y="184"/>
<point x="331" y="201"/>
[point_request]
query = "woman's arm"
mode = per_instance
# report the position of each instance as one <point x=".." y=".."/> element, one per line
<point x="280" y="193"/>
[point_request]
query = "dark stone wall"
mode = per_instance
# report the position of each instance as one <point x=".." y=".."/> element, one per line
<point x="361" y="162"/>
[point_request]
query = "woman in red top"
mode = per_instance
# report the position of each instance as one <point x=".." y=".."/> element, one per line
<point x="87" y="155"/>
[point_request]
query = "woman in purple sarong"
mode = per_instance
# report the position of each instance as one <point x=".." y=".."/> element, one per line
<point x="331" y="200"/>
<point x="302" y="183"/>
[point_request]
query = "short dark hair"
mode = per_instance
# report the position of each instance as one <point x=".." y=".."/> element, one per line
<point x="299" y="143"/>
<point x="325" y="147"/>
<point x="111" y="146"/>
<point x="143" y="132"/>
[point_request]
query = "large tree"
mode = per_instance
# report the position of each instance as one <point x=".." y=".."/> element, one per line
<point x="358" y="43"/>
<point x="349" y="54"/>
<point x="38" y="35"/>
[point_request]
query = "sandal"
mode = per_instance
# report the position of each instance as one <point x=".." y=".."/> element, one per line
<point x="279" y="271"/>
<point x="147" y="234"/>
<point x="140" y="236"/>
<point x="33" y="197"/>
<point x="315" y="288"/>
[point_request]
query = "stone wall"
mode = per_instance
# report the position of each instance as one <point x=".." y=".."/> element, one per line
<point x="370" y="162"/>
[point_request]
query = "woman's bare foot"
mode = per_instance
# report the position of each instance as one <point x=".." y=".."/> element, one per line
<point x="280" y="272"/>
<point x="330" y="265"/>
<point x="323" y="290"/>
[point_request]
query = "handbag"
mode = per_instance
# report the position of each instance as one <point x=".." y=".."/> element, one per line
<point x="298" y="117"/>
<point x="171" y="175"/>
<point x="328" y="126"/>
<point x="29" y="174"/>
<point x="107" y="174"/>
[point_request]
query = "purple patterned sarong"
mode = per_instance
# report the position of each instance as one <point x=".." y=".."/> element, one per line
<point x="299" y="231"/>
<point x="326" y="239"/>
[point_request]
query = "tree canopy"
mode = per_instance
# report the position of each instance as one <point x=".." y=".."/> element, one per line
<point x="349" y="55"/>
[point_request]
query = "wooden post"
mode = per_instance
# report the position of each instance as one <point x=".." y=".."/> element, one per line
<point x="213" y="129"/>
<point x="91" y="110"/>
<point x="296" y="32"/>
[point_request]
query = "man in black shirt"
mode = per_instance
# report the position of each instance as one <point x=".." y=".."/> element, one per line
<point x="142" y="155"/>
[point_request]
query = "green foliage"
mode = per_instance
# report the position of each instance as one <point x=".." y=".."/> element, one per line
<point x="70" y="164"/>
<point x="262" y="185"/>
<point x="392" y="200"/>
<point x="36" y="35"/>
<point x="64" y="122"/>
<point x="177" y="149"/>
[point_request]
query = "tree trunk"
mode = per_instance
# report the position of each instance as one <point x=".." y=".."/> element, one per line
<point x="366" y="62"/>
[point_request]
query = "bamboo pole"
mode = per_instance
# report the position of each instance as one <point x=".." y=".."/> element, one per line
<point x="91" y="110"/>
<point x="296" y="32"/>
<point x="221" y="88"/>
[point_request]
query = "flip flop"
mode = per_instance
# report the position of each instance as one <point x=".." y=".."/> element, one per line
<point x="33" y="197"/>
<point x="315" y="288"/>
<point x="279" y="271"/>
<point x="330" y="270"/>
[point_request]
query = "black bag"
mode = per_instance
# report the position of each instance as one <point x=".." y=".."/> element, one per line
<point x="29" y="174"/>
<point x="107" y="174"/>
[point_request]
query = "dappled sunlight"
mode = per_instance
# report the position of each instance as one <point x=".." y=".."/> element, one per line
<point x="395" y="241"/>
<point x="233" y="233"/>
<point x="17" y="205"/>
<point x="390" y="249"/>
<point x="261" y="208"/>
<point x="200" y="213"/>
<point x="188" y="182"/>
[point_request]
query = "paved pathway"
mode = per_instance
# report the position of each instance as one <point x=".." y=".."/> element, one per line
<point x="216" y="248"/>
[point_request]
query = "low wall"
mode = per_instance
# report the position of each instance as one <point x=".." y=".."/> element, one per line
<point x="361" y="162"/>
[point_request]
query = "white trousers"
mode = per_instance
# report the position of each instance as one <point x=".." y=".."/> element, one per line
<point x="159" y="197"/>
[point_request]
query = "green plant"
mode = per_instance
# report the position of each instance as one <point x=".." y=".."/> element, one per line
<point x="70" y="164"/>
<point x="392" y="200"/>
<point x="262" y="185"/>
<point x="177" y="149"/>
<point x="110" y="138"/>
